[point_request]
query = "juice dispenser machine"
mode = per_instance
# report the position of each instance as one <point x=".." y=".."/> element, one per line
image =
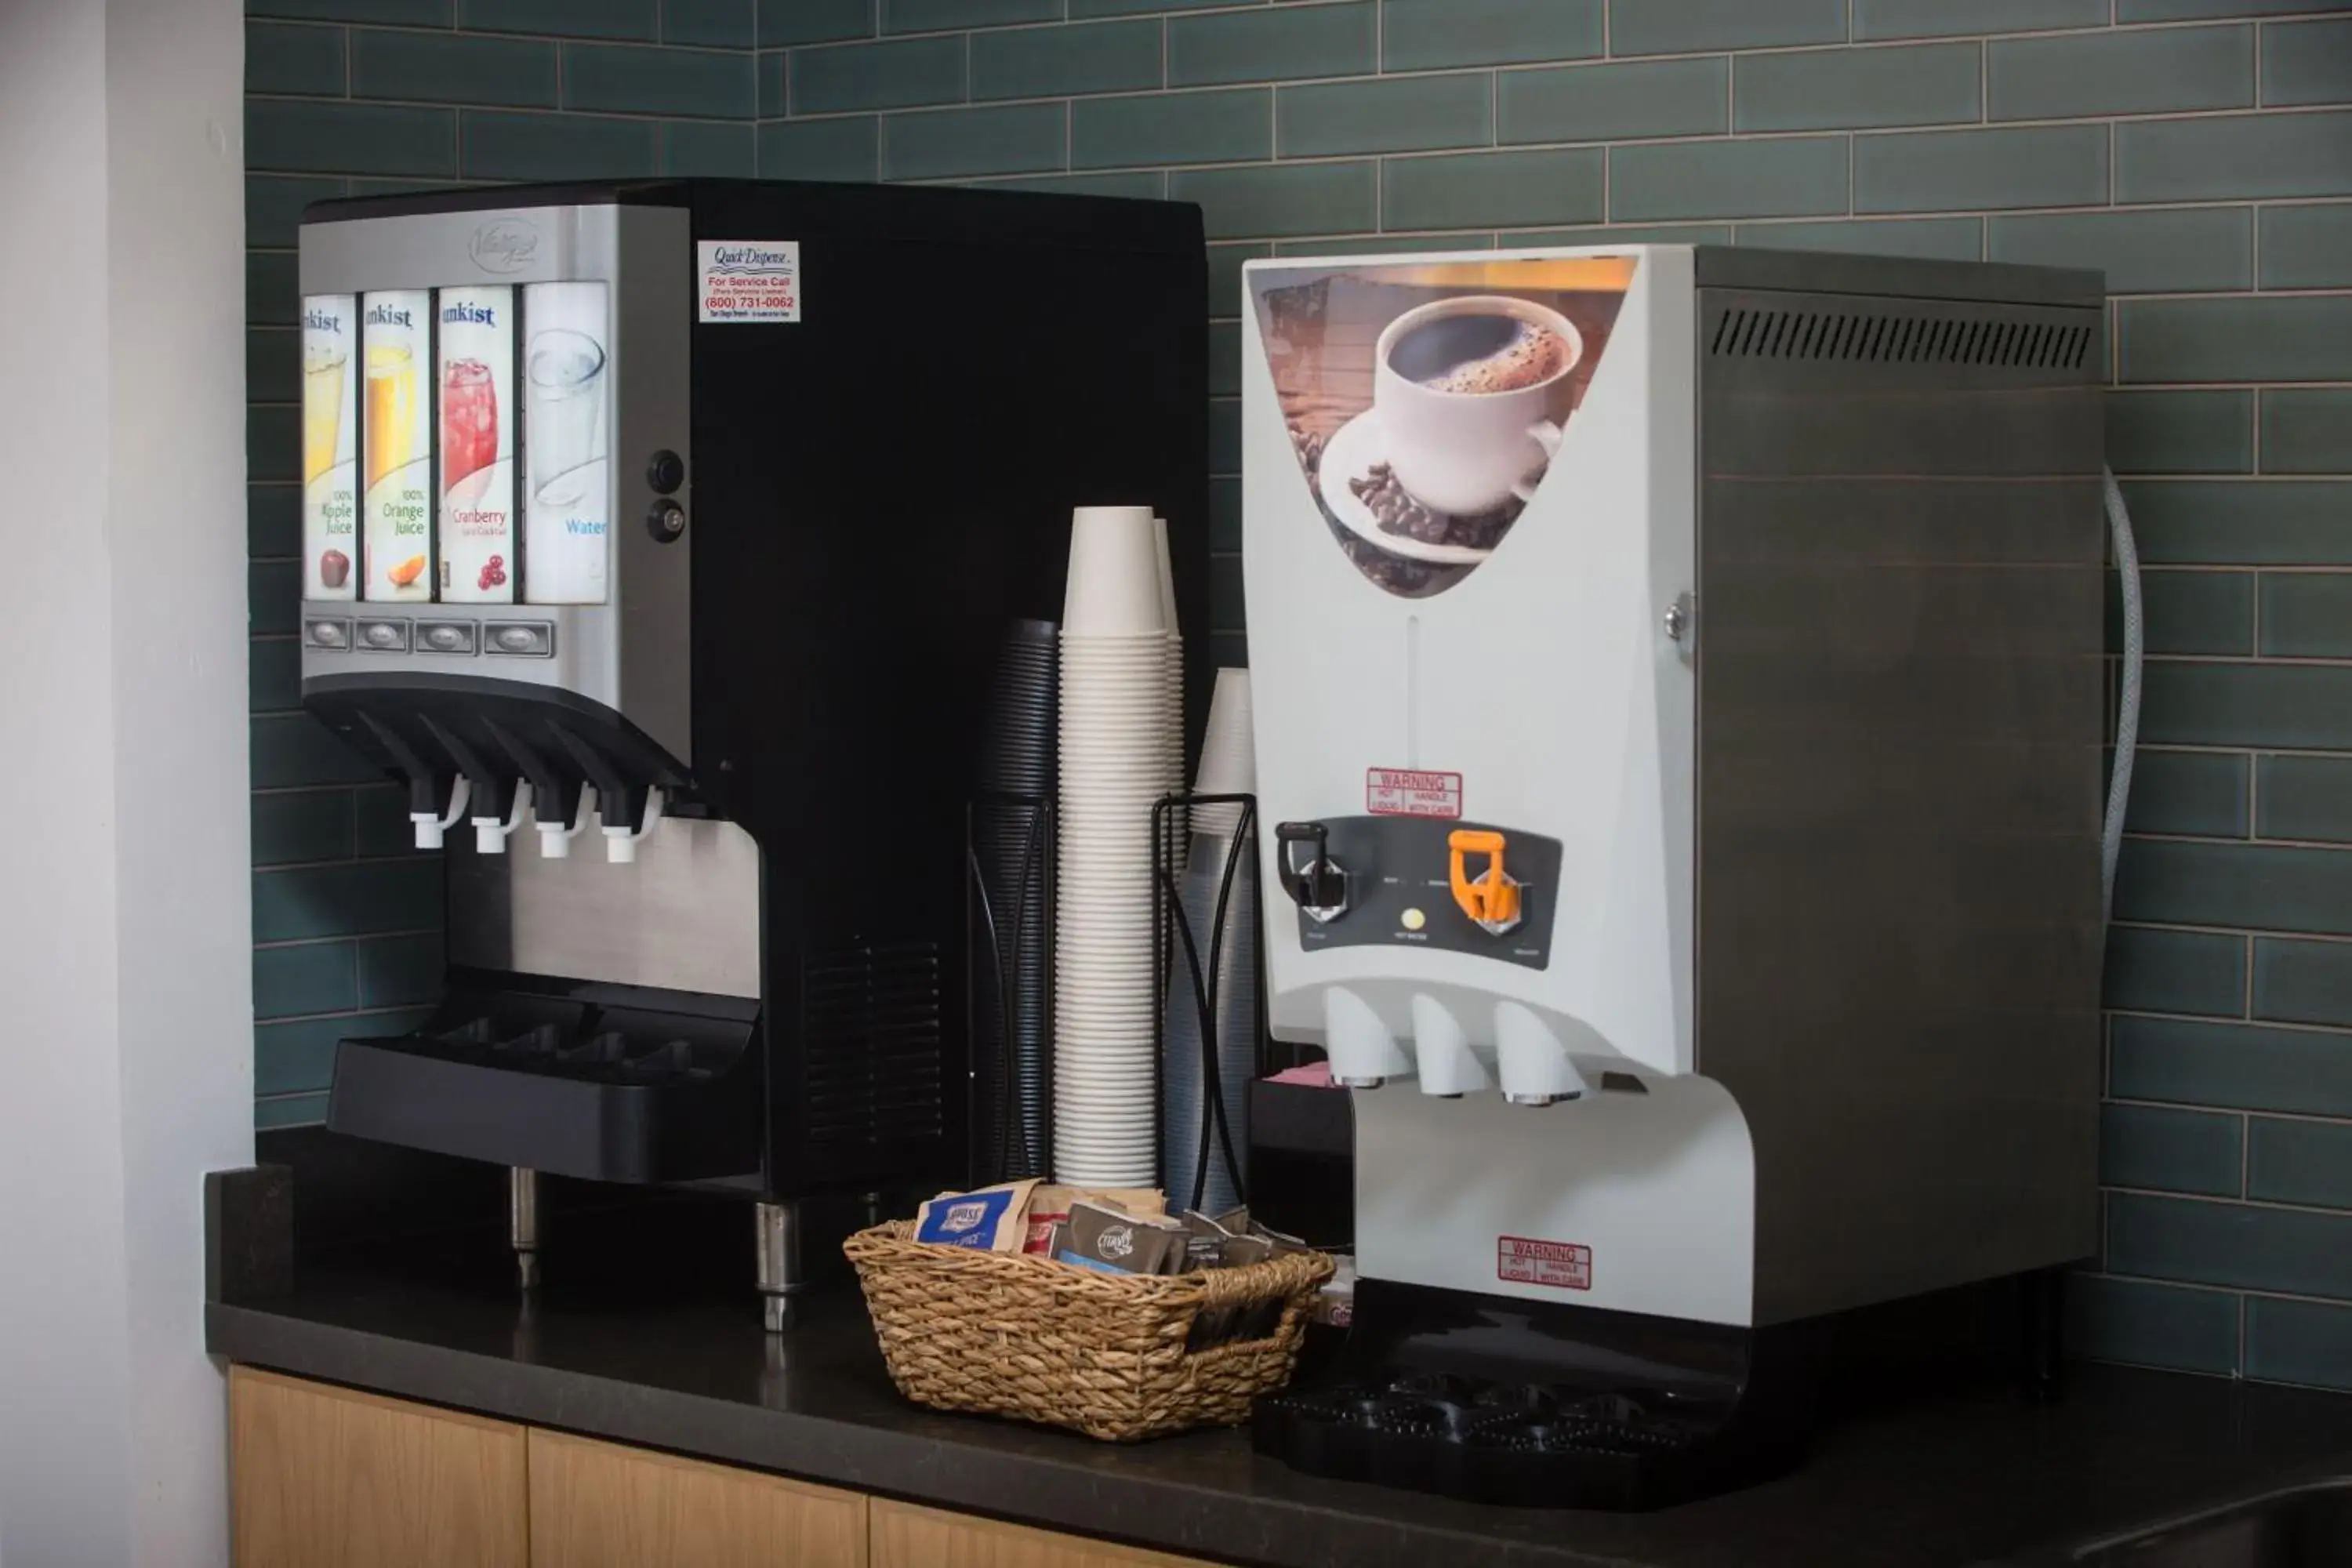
<point x="1679" y="690"/>
<point x="656" y="538"/>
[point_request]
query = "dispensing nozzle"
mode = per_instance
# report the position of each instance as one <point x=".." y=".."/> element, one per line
<point x="1315" y="880"/>
<point x="1491" y="899"/>
<point x="431" y="824"/>
<point x="555" y="836"/>
<point x="621" y="841"/>
<point x="491" y="831"/>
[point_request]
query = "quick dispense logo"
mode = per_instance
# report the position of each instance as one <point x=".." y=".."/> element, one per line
<point x="750" y="280"/>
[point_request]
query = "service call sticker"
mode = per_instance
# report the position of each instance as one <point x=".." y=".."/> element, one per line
<point x="1562" y="1265"/>
<point x="1409" y="792"/>
<point x="750" y="279"/>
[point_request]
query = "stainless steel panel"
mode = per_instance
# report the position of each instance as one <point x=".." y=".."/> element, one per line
<point x="653" y="582"/>
<point x="1901" y="689"/>
<point x="685" y="917"/>
<point x="634" y="654"/>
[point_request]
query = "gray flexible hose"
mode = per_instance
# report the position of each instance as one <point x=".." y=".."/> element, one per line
<point x="2111" y="839"/>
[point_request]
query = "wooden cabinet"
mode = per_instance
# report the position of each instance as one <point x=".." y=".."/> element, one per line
<point x="906" y="1536"/>
<point x="326" y="1477"/>
<point x="598" y="1505"/>
<point x="329" y="1477"/>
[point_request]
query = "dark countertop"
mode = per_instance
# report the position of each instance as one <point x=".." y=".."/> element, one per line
<point x="1935" y="1482"/>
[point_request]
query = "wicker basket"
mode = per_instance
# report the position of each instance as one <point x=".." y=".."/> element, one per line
<point x="1103" y="1353"/>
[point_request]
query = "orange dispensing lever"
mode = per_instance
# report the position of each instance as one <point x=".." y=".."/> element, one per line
<point x="1491" y="898"/>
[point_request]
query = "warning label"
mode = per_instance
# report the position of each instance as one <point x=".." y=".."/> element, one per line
<point x="1562" y="1265"/>
<point x="750" y="279"/>
<point x="1407" y="791"/>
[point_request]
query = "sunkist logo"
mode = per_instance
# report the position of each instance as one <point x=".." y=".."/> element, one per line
<point x="385" y="316"/>
<point x="504" y="245"/>
<point x="480" y="315"/>
<point x="321" y="321"/>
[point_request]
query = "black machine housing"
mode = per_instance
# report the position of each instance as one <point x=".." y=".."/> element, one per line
<point x="871" y="494"/>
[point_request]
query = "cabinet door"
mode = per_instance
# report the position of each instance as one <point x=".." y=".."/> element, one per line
<point x="327" y="1477"/>
<point x="595" y="1505"/>
<point x="906" y="1536"/>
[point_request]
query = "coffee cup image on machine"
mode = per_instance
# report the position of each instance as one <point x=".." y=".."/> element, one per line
<point x="1481" y="889"/>
<point x="1425" y="402"/>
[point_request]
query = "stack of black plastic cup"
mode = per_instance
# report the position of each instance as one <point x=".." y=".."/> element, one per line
<point x="1014" y="945"/>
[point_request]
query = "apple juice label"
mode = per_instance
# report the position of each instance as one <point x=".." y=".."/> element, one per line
<point x="476" y="376"/>
<point x="329" y="463"/>
<point x="396" y="443"/>
<point x="567" y="507"/>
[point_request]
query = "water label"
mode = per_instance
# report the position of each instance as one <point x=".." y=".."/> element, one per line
<point x="329" y="447"/>
<point x="396" y="444"/>
<point x="749" y="280"/>
<point x="476" y="374"/>
<point x="567" y="493"/>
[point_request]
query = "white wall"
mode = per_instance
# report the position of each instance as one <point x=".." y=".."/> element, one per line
<point x="125" y="1067"/>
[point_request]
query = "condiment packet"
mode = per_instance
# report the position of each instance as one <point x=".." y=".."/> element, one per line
<point x="986" y="1221"/>
<point x="1050" y="1204"/>
<point x="1100" y="1236"/>
<point x="1204" y="1240"/>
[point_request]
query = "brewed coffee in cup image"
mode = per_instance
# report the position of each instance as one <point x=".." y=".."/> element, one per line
<point x="1426" y="401"/>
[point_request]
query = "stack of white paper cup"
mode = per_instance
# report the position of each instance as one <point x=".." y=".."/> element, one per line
<point x="1227" y="954"/>
<point x="1113" y="767"/>
<point x="1228" y="758"/>
<point x="1175" y="713"/>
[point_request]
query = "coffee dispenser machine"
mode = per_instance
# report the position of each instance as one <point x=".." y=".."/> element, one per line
<point x="657" y="540"/>
<point x="1679" y="690"/>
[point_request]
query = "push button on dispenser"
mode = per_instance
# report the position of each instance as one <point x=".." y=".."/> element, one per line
<point x="383" y="637"/>
<point x="327" y="634"/>
<point x="445" y="637"/>
<point x="528" y="639"/>
<point x="1491" y="899"/>
<point x="665" y="471"/>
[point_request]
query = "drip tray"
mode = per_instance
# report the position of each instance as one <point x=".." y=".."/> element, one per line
<point x="1530" y="1445"/>
<point x="611" y="1083"/>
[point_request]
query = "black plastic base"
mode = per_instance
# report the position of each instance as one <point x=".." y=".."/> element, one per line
<point x="607" y="1083"/>
<point x="1504" y="1401"/>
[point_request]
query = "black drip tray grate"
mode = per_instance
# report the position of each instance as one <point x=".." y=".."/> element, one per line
<point x="628" y="1085"/>
<point x="1523" y="1443"/>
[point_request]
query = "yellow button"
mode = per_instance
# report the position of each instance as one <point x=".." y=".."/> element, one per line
<point x="1414" y="920"/>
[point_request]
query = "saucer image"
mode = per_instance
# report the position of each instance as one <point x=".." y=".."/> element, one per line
<point x="1352" y="471"/>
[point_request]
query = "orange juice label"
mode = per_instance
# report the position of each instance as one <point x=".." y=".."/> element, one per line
<point x="396" y="443"/>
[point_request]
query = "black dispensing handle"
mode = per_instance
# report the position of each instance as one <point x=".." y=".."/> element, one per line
<point x="1318" y="884"/>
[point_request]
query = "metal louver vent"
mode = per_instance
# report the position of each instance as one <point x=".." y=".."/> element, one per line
<point x="870" y="1040"/>
<point x="1809" y="335"/>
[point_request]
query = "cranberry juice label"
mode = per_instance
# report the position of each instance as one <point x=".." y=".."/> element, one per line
<point x="396" y="443"/>
<point x="476" y="376"/>
<point x="330" y="508"/>
<point x="567" y="489"/>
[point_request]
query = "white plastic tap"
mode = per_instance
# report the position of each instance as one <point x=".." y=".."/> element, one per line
<point x="1529" y="1059"/>
<point x="1364" y="1053"/>
<point x="555" y="836"/>
<point x="430" y="826"/>
<point x="490" y="834"/>
<point x="620" y="843"/>
<point x="1448" y="1065"/>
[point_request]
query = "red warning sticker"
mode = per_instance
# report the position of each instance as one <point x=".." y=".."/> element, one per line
<point x="1408" y="792"/>
<point x="1563" y="1264"/>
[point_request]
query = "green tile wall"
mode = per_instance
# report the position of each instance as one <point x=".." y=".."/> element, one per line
<point x="2198" y="151"/>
